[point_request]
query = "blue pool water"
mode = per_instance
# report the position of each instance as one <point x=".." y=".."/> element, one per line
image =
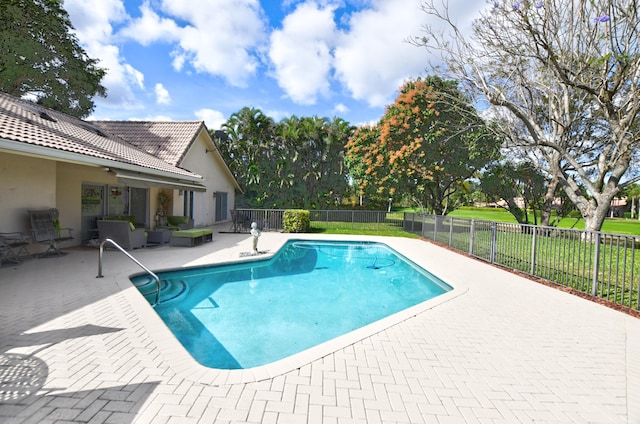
<point x="247" y="314"/>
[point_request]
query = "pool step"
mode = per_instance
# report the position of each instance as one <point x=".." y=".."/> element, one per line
<point x="169" y="289"/>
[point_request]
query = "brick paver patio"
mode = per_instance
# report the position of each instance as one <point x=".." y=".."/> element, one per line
<point x="74" y="348"/>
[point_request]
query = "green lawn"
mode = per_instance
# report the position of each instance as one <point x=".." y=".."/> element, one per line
<point x="361" y="229"/>
<point x="611" y="225"/>
<point x="485" y="214"/>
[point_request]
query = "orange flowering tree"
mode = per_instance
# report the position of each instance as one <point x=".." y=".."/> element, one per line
<point x="360" y="154"/>
<point x="427" y="144"/>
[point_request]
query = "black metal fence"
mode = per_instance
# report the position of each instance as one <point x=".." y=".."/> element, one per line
<point x="271" y="219"/>
<point x="603" y="265"/>
<point x="354" y="219"/>
<point x="267" y="219"/>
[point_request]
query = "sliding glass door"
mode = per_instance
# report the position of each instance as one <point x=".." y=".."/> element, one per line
<point x="111" y="200"/>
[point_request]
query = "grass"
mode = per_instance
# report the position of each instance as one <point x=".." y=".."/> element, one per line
<point x="367" y="229"/>
<point x="484" y="214"/>
<point x="611" y="225"/>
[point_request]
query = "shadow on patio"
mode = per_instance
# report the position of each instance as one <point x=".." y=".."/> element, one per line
<point x="22" y="377"/>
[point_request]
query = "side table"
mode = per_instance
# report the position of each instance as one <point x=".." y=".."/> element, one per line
<point x="159" y="236"/>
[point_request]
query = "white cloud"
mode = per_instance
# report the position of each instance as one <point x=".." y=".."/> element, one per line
<point x="162" y="95"/>
<point x="150" y="27"/>
<point x="340" y="108"/>
<point x="301" y="52"/>
<point x="373" y="58"/>
<point x="92" y="20"/>
<point x="317" y="52"/>
<point x="213" y="119"/>
<point x="277" y="114"/>
<point x="221" y="37"/>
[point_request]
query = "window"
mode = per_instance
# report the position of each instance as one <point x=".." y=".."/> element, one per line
<point x="221" y="206"/>
<point x="188" y="203"/>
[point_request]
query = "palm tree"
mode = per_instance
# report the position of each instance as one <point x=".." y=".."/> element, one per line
<point x="633" y="192"/>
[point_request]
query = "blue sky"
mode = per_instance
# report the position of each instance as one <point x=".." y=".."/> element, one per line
<point x="206" y="59"/>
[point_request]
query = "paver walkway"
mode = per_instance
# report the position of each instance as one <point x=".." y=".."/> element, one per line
<point x="507" y="350"/>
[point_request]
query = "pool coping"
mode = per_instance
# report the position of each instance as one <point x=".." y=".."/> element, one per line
<point x="183" y="364"/>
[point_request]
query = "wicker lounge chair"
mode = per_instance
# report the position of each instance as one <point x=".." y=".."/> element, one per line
<point x="44" y="229"/>
<point x="123" y="233"/>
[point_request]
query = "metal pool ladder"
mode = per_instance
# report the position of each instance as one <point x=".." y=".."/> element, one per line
<point x="117" y="246"/>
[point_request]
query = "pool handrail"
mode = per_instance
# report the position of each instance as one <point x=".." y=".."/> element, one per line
<point x="117" y="246"/>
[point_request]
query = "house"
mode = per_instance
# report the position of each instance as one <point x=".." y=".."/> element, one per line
<point x="187" y="145"/>
<point x="52" y="160"/>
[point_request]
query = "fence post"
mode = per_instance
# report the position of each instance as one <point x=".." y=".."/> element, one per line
<point x="422" y="230"/>
<point x="494" y="238"/>
<point x="534" y="242"/>
<point x="472" y="235"/>
<point x="596" y="265"/>
<point x="435" y="227"/>
<point x="450" y="232"/>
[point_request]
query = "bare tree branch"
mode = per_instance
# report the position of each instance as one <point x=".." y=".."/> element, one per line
<point x="567" y="72"/>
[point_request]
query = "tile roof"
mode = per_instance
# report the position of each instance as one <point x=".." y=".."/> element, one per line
<point x="25" y="122"/>
<point x="168" y="141"/>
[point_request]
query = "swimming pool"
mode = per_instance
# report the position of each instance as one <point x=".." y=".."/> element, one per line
<point x="248" y="314"/>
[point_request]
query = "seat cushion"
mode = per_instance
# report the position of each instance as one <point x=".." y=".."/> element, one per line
<point x="177" y="220"/>
<point x="192" y="233"/>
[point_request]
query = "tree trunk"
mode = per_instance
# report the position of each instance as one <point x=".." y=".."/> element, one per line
<point x="594" y="210"/>
<point x="547" y="205"/>
<point x="594" y="220"/>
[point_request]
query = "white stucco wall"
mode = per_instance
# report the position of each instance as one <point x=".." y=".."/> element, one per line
<point x="215" y="179"/>
<point x="25" y="183"/>
<point x="28" y="183"/>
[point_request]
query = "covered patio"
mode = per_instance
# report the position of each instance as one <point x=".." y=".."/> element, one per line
<point x="503" y="349"/>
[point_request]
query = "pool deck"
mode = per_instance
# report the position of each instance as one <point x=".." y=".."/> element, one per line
<point x="498" y="349"/>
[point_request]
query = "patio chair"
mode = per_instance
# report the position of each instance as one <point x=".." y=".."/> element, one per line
<point x="7" y="255"/>
<point x="123" y="233"/>
<point x="45" y="230"/>
<point x="12" y="246"/>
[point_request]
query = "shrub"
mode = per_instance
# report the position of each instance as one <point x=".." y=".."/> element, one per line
<point x="296" y="221"/>
<point x="574" y="214"/>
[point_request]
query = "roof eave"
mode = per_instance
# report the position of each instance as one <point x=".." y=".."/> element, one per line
<point x="27" y="149"/>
